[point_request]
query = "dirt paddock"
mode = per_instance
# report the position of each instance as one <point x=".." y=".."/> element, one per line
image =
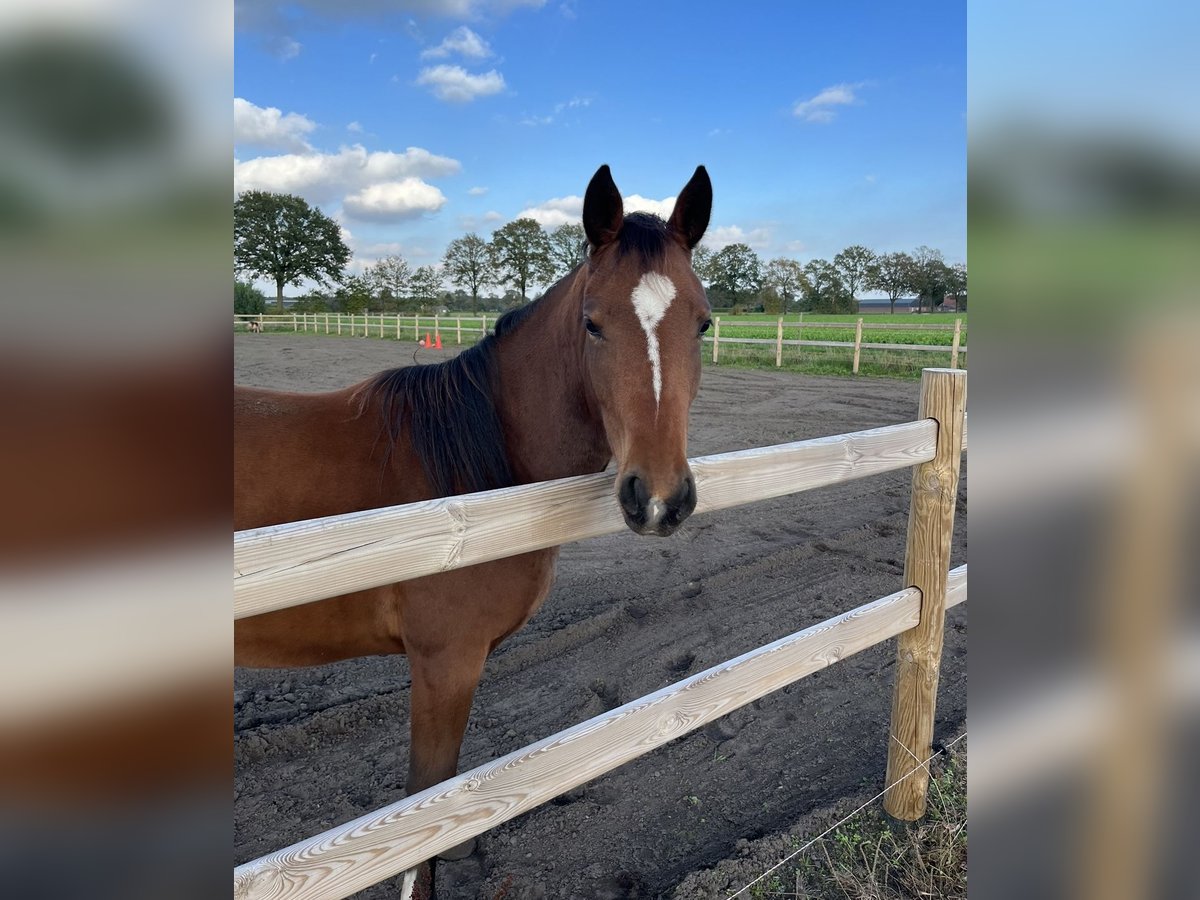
<point x="628" y="615"/>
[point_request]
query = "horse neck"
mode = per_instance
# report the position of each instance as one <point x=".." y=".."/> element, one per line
<point x="551" y="427"/>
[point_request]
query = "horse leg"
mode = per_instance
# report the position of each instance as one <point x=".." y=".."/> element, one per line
<point x="443" y="686"/>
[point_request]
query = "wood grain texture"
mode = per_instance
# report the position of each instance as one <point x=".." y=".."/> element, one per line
<point x="919" y="651"/>
<point x="716" y="338"/>
<point x="376" y="846"/>
<point x="954" y="346"/>
<point x="286" y="565"/>
<point x="779" y="344"/>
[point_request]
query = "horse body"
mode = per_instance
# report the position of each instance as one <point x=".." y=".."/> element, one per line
<point x="565" y="385"/>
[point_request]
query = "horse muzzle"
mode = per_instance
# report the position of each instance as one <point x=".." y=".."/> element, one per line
<point x="648" y="514"/>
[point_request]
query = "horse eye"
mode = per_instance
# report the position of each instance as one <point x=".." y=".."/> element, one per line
<point x="707" y="324"/>
<point x="592" y="328"/>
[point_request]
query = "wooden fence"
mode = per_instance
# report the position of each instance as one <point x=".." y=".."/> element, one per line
<point x="300" y="562"/>
<point x="475" y="327"/>
<point x="955" y="348"/>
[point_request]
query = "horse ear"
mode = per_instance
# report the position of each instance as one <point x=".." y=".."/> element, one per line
<point x="603" y="212"/>
<point x="689" y="219"/>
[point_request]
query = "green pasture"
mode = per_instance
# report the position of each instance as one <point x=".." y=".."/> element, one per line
<point x="905" y="318"/>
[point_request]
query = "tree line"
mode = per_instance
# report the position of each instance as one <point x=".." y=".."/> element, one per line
<point x="280" y="238"/>
<point x="735" y="277"/>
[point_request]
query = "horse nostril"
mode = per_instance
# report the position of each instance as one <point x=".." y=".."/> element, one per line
<point x="633" y="496"/>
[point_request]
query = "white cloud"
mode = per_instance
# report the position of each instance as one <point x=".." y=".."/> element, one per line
<point x="477" y="191"/>
<point x="638" y="203"/>
<point x="492" y="216"/>
<point x="554" y="212"/>
<point x="321" y="177"/>
<point x="821" y="108"/>
<point x="268" y="127"/>
<point x="719" y="238"/>
<point x="463" y="41"/>
<point x="569" y="210"/>
<point x="392" y="201"/>
<point x="354" y="127"/>
<point x="573" y="103"/>
<point x="456" y="85"/>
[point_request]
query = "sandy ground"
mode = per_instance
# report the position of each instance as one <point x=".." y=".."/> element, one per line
<point x="628" y="615"/>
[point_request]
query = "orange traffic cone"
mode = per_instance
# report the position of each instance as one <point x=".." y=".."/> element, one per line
<point x="439" y="341"/>
<point x="428" y="340"/>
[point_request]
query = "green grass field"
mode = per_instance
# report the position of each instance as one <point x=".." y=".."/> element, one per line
<point x="902" y="328"/>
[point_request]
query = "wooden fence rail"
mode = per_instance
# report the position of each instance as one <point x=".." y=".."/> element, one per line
<point x="286" y="565"/>
<point x="301" y="562"/>
<point x="383" y="843"/>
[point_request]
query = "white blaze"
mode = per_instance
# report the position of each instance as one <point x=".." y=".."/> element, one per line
<point x="651" y="298"/>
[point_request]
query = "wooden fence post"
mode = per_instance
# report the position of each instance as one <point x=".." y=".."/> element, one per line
<point x="458" y="327"/>
<point x="260" y="323"/>
<point x="339" y="323"/>
<point x="957" y="338"/>
<point x="779" y="344"/>
<point x="857" y="343"/>
<point x="295" y="325"/>
<point x="483" y="327"/>
<point x="436" y="328"/>
<point x="716" y="336"/>
<point x="926" y="562"/>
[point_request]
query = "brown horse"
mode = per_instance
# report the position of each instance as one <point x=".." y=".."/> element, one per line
<point x="604" y="366"/>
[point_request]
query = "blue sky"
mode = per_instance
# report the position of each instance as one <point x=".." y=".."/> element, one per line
<point x="414" y="122"/>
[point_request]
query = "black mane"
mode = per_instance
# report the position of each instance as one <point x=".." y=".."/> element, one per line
<point x="450" y="411"/>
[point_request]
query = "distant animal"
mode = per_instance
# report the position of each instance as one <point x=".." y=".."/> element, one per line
<point x="604" y="366"/>
<point x="254" y="325"/>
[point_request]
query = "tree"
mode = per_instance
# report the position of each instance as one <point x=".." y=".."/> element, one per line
<point x="854" y="264"/>
<point x="522" y="253"/>
<point x="280" y="238"/>
<point x="786" y="276"/>
<point x="891" y="274"/>
<point x="825" y="291"/>
<point x="702" y="263"/>
<point x="929" y="273"/>
<point x="354" y="296"/>
<point x="388" y="279"/>
<point x="567" y="243"/>
<point x="425" y="286"/>
<point x="956" y="285"/>
<point x="736" y="274"/>
<point x="772" y="300"/>
<point x="469" y="264"/>
<point x="247" y="299"/>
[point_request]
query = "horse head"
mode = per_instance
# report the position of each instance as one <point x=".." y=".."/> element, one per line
<point x="643" y="311"/>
